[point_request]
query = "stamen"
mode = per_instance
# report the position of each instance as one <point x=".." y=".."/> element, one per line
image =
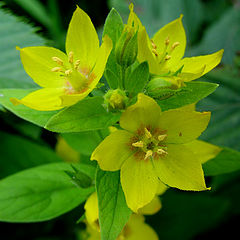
<point x="162" y="137"/>
<point x="167" y="41"/>
<point x="56" y="69"/>
<point x="147" y="133"/>
<point x="153" y="44"/>
<point x="167" y="57"/>
<point x="175" y="45"/>
<point x="70" y="57"/>
<point x="57" y="60"/>
<point x="68" y="72"/>
<point x="149" y="153"/>
<point x="155" y="52"/>
<point x="76" y="64"/>
<point x="138" y="144"/>
<point x="161" y="151"/>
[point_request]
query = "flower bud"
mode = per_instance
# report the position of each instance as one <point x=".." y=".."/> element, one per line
<point x="127" y="47"/>
<point x="115" y="99"/>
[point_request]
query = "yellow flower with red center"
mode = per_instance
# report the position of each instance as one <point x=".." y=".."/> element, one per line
<point x="164" y="52"/>
<point x="66" y="78"/>
<point x="155" y="146"/>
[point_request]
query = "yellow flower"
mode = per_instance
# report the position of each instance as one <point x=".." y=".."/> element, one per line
<point x="165" y="51"/>
<point x="135" y="229"/>
<point x="66" y="78"/>
<point x="153" y="146"/>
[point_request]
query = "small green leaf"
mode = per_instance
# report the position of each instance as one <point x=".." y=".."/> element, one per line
<point x="41" y="193"/>
<point x="192" y="93"/>
<point x="111" y="78"/>
<point x="227" y="161"/>
<point x="113" y="25"/>
<point x="137" y="80"/>
<point x="86" y="115"/>
<point x="37" y="117"/>
<point x="113" y="210"/>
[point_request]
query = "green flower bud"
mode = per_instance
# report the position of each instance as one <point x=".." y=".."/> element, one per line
<point x="127" y="47"/>
<point x="115" y="100"/>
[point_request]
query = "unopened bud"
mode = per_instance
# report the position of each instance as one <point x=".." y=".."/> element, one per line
<point x="115" y="99"/>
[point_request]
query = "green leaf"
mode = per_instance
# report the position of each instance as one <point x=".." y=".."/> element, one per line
<point x="41" y="193"/>
<point x="13" y="32"/>
<point x="224" y="103"/>
<point x="113" y="25"/>
<point x="37" y="117"/>
<point x="18" y="153"/>
<point x="113" y="210"/>
<point x="111" y="77"/>
<point x="137" y="80"/>
<point x="85" y="142"/>
<point x="86" y="115"/>
<point x="192" y="93"/>
<point x="227" y="161"/>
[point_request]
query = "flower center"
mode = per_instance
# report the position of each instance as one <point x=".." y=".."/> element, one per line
<point x="77" y="78"/>
<point x="166" y="54"/>
<point x="149" y="143"/>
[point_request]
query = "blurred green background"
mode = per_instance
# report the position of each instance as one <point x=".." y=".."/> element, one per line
<point x="210" y="25"/>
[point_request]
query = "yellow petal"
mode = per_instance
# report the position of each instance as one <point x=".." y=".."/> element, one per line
<point x="180" y="168"/>
<point x="101" y="60"/>
<point x="194" y="64"/>
<point x="113" y="150"/>
<point x="139" y="182"/>
<point x="45" y="99"/>
<point x="91" y="211"/>
<point x="151" y="208"/>
<point x="145" y="112"/>
<point x="137" y="229"/>
<point x="133" y="20"/>
<point x="38" y="63"/>
<point x="82" y="38"/>
<point x="145" y="52"/>
<point x="162" y="188"/>
<point x="71" y="99"/>
<point x="183" y="126"/>
<point x="204" y="150"/>
<point x="92" y="234"/>
<point x="176" y="33"/>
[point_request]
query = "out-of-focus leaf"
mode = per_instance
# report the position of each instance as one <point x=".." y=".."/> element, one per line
<point x="18" y="153"/>
<point x="192" y="93"/>
<point x="224" y="103"/>
<point x="86" y="115"/>
<point x="41" y="193"/>
<point x="37" y="117"/>
<point x="13" y="32"/>
<point x="224" y="33"/>
<point x="113" y="210"/>
<point x="184" y="215"/>
<point x="226" y="161"/>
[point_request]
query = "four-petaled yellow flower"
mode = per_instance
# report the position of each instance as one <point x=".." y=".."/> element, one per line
<point x="155" y="146"/>
<point x="66" y="78"/>
<point x="164" y="52"/>
<point x="135" y="229"/>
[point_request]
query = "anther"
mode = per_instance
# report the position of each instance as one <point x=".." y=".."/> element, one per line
<point x="175" y="45"/>
<point x="56" y="69"/>
<point x="167" y="41"/>
<point x="161" y="151"/>
<point x="76" y="64"/>
<point x="167" y="57"/>
<point x="68" y="72"/>
<point x="155" y="52"/>
<point x="162" y="137"/>
<point x="70" y="57"/>
<point x="153" y="44"/>
<point x="57" y="60"/>
<point x="149" y="153"/>
<point x="138" y="144"/>
<point x="147" y="133"/>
